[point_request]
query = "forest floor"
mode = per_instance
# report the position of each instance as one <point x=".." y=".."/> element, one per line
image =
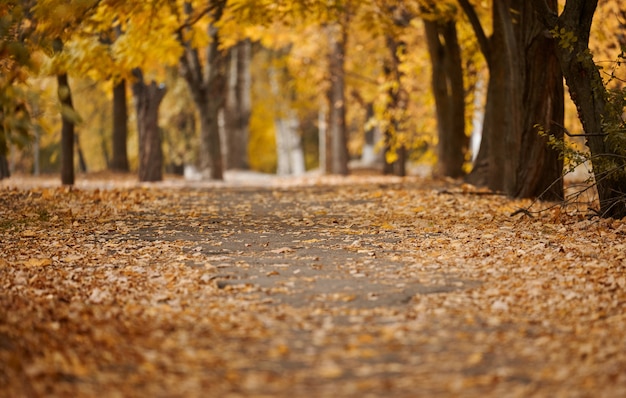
<point x="313" y="287"/>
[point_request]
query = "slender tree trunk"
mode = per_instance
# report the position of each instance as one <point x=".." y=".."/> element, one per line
<point x="591" y="98"/>
<point x="289" y="151"/>
<point x="205" y="78"/>
<point x="4" y="167"/>
<point x="4" y="151"/>
<point x="322" y="129"/>
<point x="369" y="156"/>
<point x="337" y="134"/>
<point x="67" y="130"/>
<point x="82" y="164"/>
<point x="148" y="98"/>
<point x="119" y="162"/>
<point x="238" y="106"/>
<point x="449" y="93"/>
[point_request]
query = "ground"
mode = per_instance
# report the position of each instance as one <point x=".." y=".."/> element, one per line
<point x="316" y="287"/>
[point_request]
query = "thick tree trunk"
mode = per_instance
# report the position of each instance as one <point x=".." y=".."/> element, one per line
<point x="449" y="94"/>
<point x="148" y="98"/>
<point x="238" y="106"/>
<point x="524" y="90"/>
<point x="337" y="134"/>
<point x="119" y="162"/>
<point x="504" y="91"/>
<point x="591" y="98"/>
<point x="67" y="130"/>
<point x="540" y="167"/>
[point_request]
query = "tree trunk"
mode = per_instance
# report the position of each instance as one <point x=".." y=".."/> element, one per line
<point x="524" y="90"/>
<point x="591" y="98"/>
<point x="289" y="151"/>
<point x="206" y="83"/>
<point x="504" y="90"/>
<point x="337" y="135"/>
<point x="4" y="151"/>
<point x="67" y="130"/>
<point x="82" y="164"/>
<point x="148" y="97"/>
<point x="540" y="167"/>
<point x="449" y="94"/>
<point x="322" y="138"/>
<point x="395" y="134"/>
<point x="4" y="167"/>
<point x="370" y="156"/>
<point x="238" y="106"/>
<point x="119" y="162"/>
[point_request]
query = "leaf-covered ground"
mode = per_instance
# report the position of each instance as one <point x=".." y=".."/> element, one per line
<point x="347" y="288"/>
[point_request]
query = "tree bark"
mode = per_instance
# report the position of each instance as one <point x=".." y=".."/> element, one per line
<point x="540" y="168"/>
<point x="337" y="135"/>
<point x="449" y="94"/>
<point x="591" y="98"/>
<point x="67" y="130"/>
<point x="119" y="162"/>
<point x="505" y="87"/>
<point x="148" y="97"/>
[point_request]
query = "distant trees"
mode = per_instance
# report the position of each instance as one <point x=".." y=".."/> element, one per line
<point x="363" y="67"/>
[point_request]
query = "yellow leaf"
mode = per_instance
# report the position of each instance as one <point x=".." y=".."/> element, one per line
<point x="38" y="262"/>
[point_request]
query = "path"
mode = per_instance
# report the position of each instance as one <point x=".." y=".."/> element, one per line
<point x="366" y="289"/>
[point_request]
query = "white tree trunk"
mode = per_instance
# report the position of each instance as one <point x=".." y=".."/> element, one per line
<point x="289" y="152"/>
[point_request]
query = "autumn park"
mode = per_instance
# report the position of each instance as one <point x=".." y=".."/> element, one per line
<point x="303" y="198"/>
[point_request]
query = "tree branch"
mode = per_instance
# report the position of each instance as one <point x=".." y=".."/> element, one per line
<point x="483" y="40"/>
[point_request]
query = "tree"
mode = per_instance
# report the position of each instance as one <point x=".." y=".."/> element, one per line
<point x="237" y="106"/>
<point x="449" y="94"/>
<point x="68" y="117"/>
<point x="289" y="154"/>
<point x="513" y="158"/>
<point x="148" y="97"/>
<point x="540" y="167"/>
<point x="119" y="162"/>
<point x="600" y="116"/>
<point x="15" y="64"/>
<point x="206" y="83"/>
<point x="337" y="139"/>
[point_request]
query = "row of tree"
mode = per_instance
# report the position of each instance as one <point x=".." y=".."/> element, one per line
<point x="525" y="47"/>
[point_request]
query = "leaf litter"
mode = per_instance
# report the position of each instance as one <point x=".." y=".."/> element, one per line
<point x="350" y="287"/>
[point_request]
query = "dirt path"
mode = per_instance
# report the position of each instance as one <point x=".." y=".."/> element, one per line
<point x="330" y="289"/>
